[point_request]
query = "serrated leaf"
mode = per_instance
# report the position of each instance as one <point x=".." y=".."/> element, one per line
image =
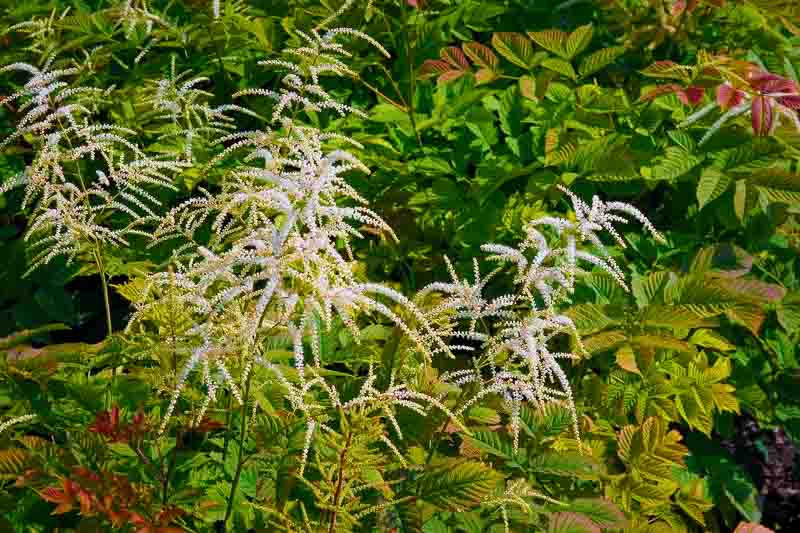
<point x="515" y="47"/>
<point x="492" y="442"/>
<point x="675" y="163"/>
<point x="569" y="522"/>
<point x="527" y="88"/>
<point x="711" y="339"/>
<point x="560" y="66"/>
<point x="578" y="40"/>
<point x="481" y="55"/>
<point x="551" y="40"/>
<point x="485" y="75"/>
<point x="603" y="513"/>
<point x="668" y="69"/>
<point x="456" y="484"/>
<point x="599" y="60"/>
<point x="749" y="316"/>
<point x="723" y="396"/>
<point x="777" y="185"/>
<point x="750" y="527"/>
<point x="434" y="67"/>
<point x="548" y="421"/>
<point x="484" y="415"/>
<point x="740" y="199"/>
<point x="565" y="464"/>
<point x="713" y="182"/>
<point x="12" y="461"/>
<point x="604" y="341"/>
<point x="455" y="57"/>
<point x="626" y="359"/>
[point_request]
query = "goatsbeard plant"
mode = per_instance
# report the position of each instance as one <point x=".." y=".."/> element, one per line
<point x="266" y="262"/>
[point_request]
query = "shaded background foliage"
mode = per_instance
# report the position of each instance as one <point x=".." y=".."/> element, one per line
<point x="688" y="403"/>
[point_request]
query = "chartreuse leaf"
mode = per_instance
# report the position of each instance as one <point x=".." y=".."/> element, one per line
<point x="492" y="442"/>
<point x="515" y="47"/>
<point x="713" y="182"/>
<point x="626" y="359"/>
<point x="597" y="61"/>
<point x="455" y="484"/>
<point x="569" y="522"/>
<point x="560" y="66"/>
<point x="568" y="464"/>
<point x="578" y="40"/>
<point x="551" y="40"/>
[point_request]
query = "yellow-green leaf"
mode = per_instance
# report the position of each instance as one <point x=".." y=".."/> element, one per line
<point x="626" y="359"/>
<point x="578" y="40"/>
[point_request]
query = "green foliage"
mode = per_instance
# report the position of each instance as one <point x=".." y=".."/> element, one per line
<point x="483" y="108"/>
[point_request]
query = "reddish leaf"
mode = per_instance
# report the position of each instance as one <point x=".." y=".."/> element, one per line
<point x="668" y="69"/>
<point x="691" y="95"/>
<point x="761" y="110"/>
<point x="750" y="527"/>
<point x="455" y="57"/>
<point x="485" y="75"/>
<point x="432" y="67"/>
<point x="207" y="424"/>
<point x="769" y="83"/>
<point x="568" y="522"/>
<point x="728" y="96"/>
<point x="449" y="76"/>
<point x="792" y="102"/>
<point x="481" y="55"/>
<point x="677" y="7"/>
<point x="660" y="90"/>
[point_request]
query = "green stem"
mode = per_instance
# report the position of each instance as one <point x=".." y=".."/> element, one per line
<point x="240" y="459"/>
<point x="411" y="80"/>
<point x="227" y="429"/>
<point x="339" y="482"/>
<point x="106" y="301"/>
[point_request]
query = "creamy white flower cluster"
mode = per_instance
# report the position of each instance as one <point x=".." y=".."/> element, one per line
<point x="269" y="254"/>
<point x="82" y="171"/>
<point x="517" y="359"/>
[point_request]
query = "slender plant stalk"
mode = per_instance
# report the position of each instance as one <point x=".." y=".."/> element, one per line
<point x="240" y="459"/>
<point x="170" y="466"/>
<point x="227" y="428"/>
<point x="411" y="80"/>
<point x="339" y="481"/>
<point x="106" y="302"/>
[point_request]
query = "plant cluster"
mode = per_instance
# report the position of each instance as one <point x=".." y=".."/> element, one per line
<point x="244" y="291"/>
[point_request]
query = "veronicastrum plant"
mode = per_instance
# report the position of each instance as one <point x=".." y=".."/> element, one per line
<point x="262" y="276"/>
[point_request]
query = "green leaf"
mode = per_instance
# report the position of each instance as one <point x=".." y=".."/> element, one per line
<point x="560" y="66"/>
<point x="551" y="40"/>
<point x="603" y="513"/>
<point x="713" y="182"/>
<point x="456" y="484"/>
<point x="777" y="185"/>
<point x="675" y="163"/>
<point x="710" y="339"/>
<point x="626" y="359"/>
<point x="568" y="522"/>
<point x="740" y="199"/>
<point x="565" y="464"/>
<point x="511" y="112"/>
<point x="122" y="448"/>
<point x="527" y="88"/>
<point x="578" y="40"/>
<point x="548" y="421"/>
<point x="493" y="443"/>
<point x="599" y="60"/>
<point x="481" y="55"/>
<point x="515" y="47"/>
